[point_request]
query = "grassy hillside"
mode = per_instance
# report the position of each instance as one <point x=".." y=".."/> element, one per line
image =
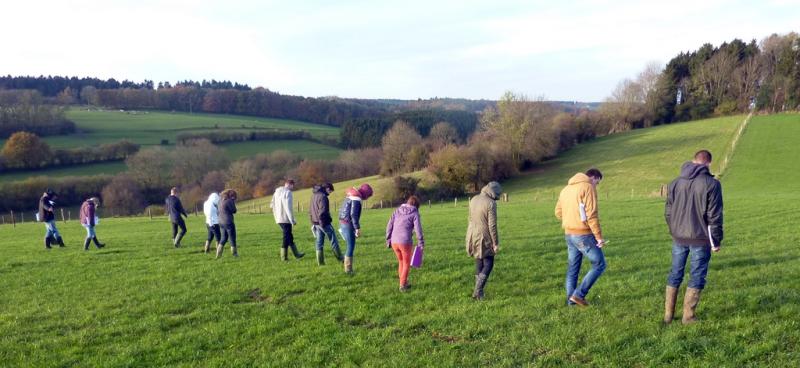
<point x="640" y="160"/>
<point x="140" y="302"/>
<point x="149" y="128"/>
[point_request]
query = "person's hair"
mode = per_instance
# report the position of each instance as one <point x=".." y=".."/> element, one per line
<point x="702" y="156"/>
<point x="328" y="186"/>
<point x="95" y="201"/>
<point x="413" y="201"/>
<point x="594" y="173"/>
<point x="229" y="194"/>
<point x="173" y="190"/>
<point x="289" y="182"/>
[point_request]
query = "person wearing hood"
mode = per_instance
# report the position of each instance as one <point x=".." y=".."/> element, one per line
<point x="284" y="216"/>
<point x="227" y="208"/>
<point x="211" y="210"/>
<point x="176" y="214"/>
<point x="349" y="221"/>
<point x="577" y="209"/>
<point x="693" y="211"/>
<point x="88" y="218"/>
<point x="47" y="214"/>
<point x="321" y="220"/>
<point x="482" y="238"/>
<point x="403" y="222"/>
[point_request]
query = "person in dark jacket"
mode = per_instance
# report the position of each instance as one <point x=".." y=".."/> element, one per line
<point x="176" y="215"/>
<point x="227" y="207"/>
<point x="321" y="220"/>
<point x="403" y="222"/>
<point x="693" y="211"/>
<point x="349" y="221"/>
<point x="88" y="218"/>
<point x="47" y="214"/>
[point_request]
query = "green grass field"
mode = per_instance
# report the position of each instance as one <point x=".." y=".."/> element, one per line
<point x="150" y="127"/>
<point x="140" y="302"/>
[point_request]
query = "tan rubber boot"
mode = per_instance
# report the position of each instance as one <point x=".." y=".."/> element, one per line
<point x="219" y="250"/>
<point x="284" y="254"/>
<point x="207" y="246"/>
<point x="690" y="301"/>
<point x="670" y="298"/>
<point x="348" y="265"/>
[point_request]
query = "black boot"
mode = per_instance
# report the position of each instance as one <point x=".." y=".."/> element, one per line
<point x="480" y="283"/>
<point x="86" y="243"/>
<point x="60" y="242"/>
<point x="97" y="243"/>
<point x="177" y="241"/>
<point x="47" y="243"/>
<point x="297" y="253"/>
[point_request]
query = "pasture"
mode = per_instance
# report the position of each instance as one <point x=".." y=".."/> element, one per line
<point x="141" y="302"/>
<point x="149" y="128"/>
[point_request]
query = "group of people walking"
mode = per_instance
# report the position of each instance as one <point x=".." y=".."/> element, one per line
<point x="47" y="215"/>
<point x="693" y="212"/>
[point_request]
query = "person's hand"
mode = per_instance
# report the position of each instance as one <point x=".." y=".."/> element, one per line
<point x="294" y="223"/>
<point x="715" y="249"/>
<point x="600" y="243"/>
<point x="388" y="243"/>
<point x="495" y="248"/>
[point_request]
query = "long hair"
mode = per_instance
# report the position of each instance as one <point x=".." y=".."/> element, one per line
<point x="228" y="194"/>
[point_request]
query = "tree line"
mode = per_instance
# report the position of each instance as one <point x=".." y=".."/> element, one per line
<point x="25" y="111"/>
<point x="733" y="77"/>
<point x="26" y="151"/>
<point x="51" y="86"/>
<point x="369" y="132"/>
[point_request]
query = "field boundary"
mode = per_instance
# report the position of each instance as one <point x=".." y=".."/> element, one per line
<point x="723" y="167"/>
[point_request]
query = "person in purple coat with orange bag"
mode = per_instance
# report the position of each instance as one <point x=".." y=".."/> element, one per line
<point x="405" y="219"/>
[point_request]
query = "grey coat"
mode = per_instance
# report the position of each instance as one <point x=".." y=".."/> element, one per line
<point x="482" y="229"/>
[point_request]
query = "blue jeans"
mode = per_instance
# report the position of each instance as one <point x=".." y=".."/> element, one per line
<point x="52" y="231"/>
<point x="320" y="232"/>
<point x="577" y="247"/>
<point x="89" y="231"/>
<point x="349" y="235"/>
<point x="701" y="255"/>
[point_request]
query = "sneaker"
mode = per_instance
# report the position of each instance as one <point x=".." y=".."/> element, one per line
<point x="579" y="301"/>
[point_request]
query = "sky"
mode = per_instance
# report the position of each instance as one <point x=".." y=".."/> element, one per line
<point x="559" y="50"/>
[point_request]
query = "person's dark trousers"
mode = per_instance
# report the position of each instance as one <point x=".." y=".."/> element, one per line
<point x="288" y="238"/>
<point x="228" y="232"/>
<point x="177" y="236"/>
<point x="214" y="232"/>
<point x="483" y="268"/>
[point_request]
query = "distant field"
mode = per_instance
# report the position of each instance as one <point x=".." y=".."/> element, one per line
<point x="141" y="302"/>
<point x="149" y="128"/>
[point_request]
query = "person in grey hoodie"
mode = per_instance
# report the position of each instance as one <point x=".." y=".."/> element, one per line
<point x="227" y="208"/>
<point x="482" y="239"/>
<point x="403" y="222"/>
<point x="320" y="214"/>
<point x="693" y="212"/>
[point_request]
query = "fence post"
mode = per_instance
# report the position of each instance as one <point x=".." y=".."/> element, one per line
<point x="631" y="193"/>
<point x="69" y="215"/>
<point x="13" y="220"/>
<point x="22" y="217"/>
<point x="430" y="205"/>
<point x="455" y="202"/>
<point x="150" y="213"/>
<point x="663" y="190"/>
<point x="63" y="219"/>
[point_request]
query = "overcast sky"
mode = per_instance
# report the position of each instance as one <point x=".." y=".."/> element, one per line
<point x="374" y="49"/>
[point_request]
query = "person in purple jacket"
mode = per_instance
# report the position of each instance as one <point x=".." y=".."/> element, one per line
<point x="88" y="215"/>
<point x="405" y="219"/>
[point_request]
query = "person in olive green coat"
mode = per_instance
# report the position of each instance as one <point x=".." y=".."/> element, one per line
<point x="482" y="241"/>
